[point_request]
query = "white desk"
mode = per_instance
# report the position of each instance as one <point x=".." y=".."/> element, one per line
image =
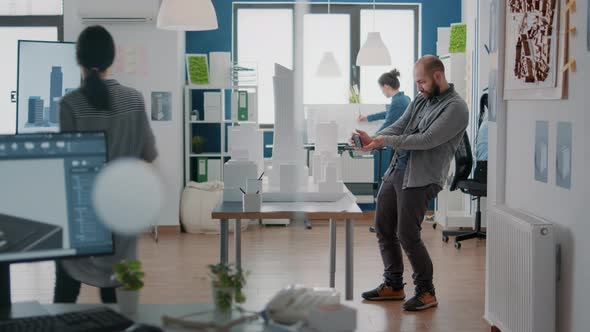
<point x="344" y="209"/>
<point x="151" y="314"/>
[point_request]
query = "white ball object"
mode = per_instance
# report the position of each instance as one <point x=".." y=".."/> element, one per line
<point x="127" y="196"/>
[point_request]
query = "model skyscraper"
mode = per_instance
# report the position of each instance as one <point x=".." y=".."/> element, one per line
<point x="55" y="92"/>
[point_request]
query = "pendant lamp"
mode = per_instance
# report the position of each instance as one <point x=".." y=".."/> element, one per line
<point x="373" y="52"/>
<point x="328" y="66"/>
<point x="187" y="15"/>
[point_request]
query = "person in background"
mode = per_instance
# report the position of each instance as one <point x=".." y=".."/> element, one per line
<point x="389" y="84"/>
<point x="481" y="146"/>
<point x="425" y="138"/>
<point x="102" y="104"/>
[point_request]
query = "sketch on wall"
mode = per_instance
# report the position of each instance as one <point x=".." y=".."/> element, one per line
<point x="541" y="151"/>
<point x="161" y="106"/>
<point x="533" y="49"/>
<point x="563" y="160"/>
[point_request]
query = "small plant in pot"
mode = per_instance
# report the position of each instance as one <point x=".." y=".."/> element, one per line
<point x="198" y="144"/>
<point x="227" y="285"/>
<point x="129" y="274"/>
<point x="354" y="96"/>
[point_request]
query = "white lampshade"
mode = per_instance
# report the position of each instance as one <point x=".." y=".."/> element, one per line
<point x="187" y="15"/>
<point x="328" y="66"/>
<point x="373" y="52"/>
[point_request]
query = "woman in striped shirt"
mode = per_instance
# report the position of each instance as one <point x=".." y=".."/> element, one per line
<point x="102" y="104"/>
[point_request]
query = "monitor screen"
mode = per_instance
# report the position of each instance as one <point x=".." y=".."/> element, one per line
<point x="45" y="196"/>
<point x="46" y="72"/>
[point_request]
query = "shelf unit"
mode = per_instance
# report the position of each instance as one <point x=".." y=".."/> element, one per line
<point x="191" y="126"/>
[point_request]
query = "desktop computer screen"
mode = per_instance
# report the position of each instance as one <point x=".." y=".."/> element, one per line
<point x="46" y="72"/>
<point x="46" y="183"/>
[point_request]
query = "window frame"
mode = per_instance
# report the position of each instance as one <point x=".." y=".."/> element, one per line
<point x="352" y="9"/>
<point x="35" y="21"/>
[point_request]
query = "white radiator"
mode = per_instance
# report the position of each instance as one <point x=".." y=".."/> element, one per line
<point x="521" y="272"/>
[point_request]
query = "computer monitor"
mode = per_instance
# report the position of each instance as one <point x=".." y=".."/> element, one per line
<point x="45" y="198"/>
<point x="46" y="72"/>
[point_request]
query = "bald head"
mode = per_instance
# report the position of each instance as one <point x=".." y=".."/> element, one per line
<point x="429" y="74"/>
<point x="430" y="64"/>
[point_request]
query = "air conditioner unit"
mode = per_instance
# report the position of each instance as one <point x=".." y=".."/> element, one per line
<point x="118" y="11"/>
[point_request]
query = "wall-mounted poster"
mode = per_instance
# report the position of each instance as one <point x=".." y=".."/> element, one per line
<point x="541" y="150"/>
<point x="197" y="69"/>
<point x="534" y="50"/>
<point x="563" y="160"/>
<point x="161" y="106"/>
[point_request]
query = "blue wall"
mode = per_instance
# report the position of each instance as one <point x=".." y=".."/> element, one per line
<point x="435" y="13"/>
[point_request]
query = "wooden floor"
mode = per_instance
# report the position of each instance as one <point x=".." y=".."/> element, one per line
<point x="276" y="256"/>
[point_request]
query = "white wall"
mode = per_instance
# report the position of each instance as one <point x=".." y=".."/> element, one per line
<point x="164" y="72"/>
<point x="565" y="208"/>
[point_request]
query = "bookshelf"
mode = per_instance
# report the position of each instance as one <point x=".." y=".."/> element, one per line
<point x="214" y="130"/>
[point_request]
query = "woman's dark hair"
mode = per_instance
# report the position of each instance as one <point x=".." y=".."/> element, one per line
<point x="95" y="52"/>
<point x="391" y="79"/>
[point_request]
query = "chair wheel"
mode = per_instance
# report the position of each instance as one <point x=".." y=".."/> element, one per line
<point x="458" y="245"/>
<point x="445" y="238"/>
<point x="434" y="226"/>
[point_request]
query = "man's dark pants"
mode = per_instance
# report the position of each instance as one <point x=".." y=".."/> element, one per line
<point x="398" y="220"/>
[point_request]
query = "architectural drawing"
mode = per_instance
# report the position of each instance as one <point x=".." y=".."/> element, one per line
<point x="532" y="46"/>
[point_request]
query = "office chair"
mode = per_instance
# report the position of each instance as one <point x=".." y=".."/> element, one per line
<point x="474" y="187"/>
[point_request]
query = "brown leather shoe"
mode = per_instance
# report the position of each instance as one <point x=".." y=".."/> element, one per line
<point x="421" y="301"/>
<point x="384" y="293"/>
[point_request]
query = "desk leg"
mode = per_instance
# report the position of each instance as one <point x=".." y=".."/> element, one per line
<point x="238" y="243"/>
<point x="349" y="259"/>
<point x="332" y="253"/>
<point x="223" y="241"/>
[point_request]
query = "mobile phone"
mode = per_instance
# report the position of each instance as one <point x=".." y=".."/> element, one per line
<point x="357" y="141"/>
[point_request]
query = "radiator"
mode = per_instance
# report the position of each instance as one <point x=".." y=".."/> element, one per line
<point x="522" y="273"/>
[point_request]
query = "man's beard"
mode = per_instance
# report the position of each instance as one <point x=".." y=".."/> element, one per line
<point x="434" y="92"/>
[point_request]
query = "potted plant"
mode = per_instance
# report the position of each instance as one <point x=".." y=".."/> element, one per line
<point x="354" y="96"/>
<point x="227" y="284"/>
<point x="198" y="144"/>
<point x="129" y="274"/>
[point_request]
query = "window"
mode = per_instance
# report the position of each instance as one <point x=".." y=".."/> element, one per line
<point x="30" y="7"/>
<point x="257" y="43"/>
<point x="393" y="25"/>
<point x="263" y="32"/>
<point x="26" y="20"/>
<point x="326" y="33"/>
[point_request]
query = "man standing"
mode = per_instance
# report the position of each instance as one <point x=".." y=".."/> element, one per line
<point x="425" y="139"/>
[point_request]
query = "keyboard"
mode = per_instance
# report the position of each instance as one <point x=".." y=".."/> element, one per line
<point x="93" y="320"/>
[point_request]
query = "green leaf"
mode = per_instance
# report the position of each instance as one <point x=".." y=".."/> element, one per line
<point x="134" y="265"/>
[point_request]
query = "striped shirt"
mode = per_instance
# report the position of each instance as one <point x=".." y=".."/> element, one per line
<point x="128" y="134"/>
<point x="126" y="123"/>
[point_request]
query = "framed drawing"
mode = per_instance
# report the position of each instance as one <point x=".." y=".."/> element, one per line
<point x="535" y="50"/>
<point x="197" y="69"/>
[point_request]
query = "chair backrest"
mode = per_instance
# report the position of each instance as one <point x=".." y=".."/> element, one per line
<point x="463" y="162"/>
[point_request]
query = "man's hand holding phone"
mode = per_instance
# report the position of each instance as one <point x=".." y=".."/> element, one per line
<point x="367" y="143"/>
